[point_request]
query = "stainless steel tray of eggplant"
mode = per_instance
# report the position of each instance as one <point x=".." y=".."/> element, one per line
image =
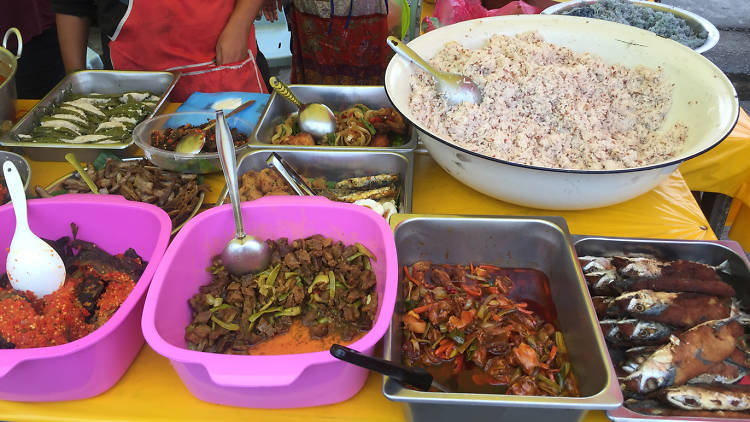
<point x="385" y="176"/>
<point x="673" y="315"/>
<point x="89" y="112"/>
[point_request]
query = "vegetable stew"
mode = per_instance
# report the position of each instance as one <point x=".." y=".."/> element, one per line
<point x="485" y="329"/>
<point x="323" y="284"/>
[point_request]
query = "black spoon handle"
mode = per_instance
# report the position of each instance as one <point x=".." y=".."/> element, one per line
<point x="416" y="377"/>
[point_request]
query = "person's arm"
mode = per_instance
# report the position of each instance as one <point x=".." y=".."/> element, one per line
<point x="232" y="44"/>
<point x="271" y="9"/>
<point x="73" y="33"/>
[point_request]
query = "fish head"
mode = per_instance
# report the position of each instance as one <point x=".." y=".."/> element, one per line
<point x="650" y="331"/>
<point x="644" y="302"/>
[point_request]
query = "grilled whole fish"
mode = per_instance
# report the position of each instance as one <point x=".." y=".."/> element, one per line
<point x="637" y="267"/>
<point x="634" y="332"/>
<point x="686" y="356"/>
<point x="682" y="310"/>
<point x="367" y="182"/>
<point x="377" y="193"/>
<point x="639" y="273"/>
<point x="653" y="407"/>
<point x="708" y="397"/>
<point x="677" y="276"/>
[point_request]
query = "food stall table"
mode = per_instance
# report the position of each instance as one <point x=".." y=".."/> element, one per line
<point x="152" y="391"/>
<point x="726" y="169"/>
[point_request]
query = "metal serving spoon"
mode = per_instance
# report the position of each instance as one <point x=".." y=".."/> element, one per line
<point x="193" y="143"/>
<point x="316" y="119"/>
<point x="32" y="264"/>
<point x="244" y="254"/>
<point x="73" y="160"/>
<point x="416" y="377"/>
<point x="455" y="88"/>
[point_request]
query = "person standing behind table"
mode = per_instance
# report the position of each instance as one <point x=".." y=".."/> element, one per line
<point x="339" y="42"/>
<point x="212" y="43"/>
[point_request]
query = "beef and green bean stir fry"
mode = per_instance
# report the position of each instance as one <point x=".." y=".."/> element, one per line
<point x="330" y="287"/>
<point x="485" y="329"/>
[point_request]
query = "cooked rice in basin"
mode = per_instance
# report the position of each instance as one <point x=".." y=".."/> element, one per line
<point x="545" y="105"/>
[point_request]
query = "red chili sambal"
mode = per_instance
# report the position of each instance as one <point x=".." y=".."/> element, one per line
<point x="485" y="329"/>
<point x="95" y="287"/>
<point x="4" y="195"/>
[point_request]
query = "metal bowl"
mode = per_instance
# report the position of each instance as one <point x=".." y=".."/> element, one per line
<point x="24" y="169"/>
<point x="56" y="188"/>
<point x="703" y="99"/>
<point x="201" y="163"/>
<point x="696" y="22"/>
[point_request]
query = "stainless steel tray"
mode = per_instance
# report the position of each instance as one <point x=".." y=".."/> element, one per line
<point x="86" y="82"/>
<point x="337" y="98"/>
<point x="337" y="165"/>
<point x="57" y="185"/>
<point x="704" y="251"/>
<point x="539" y="243"/>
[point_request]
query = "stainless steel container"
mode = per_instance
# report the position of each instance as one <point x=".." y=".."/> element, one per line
<point x="538" y="243"/>
<point x="8" y="95"/>
<point x="707" y="252"/>
<point x="24" y="169"/>
<point x="337" y="165"/>
<point x="57" y="188"/>
<point x="86" y="82"/>
<point x="337" y="98"/>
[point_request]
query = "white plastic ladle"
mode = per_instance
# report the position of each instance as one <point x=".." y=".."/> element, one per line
<point x="32" y="264"/>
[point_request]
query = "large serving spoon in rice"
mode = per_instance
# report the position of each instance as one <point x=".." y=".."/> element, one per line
<point x="455" y="88"/>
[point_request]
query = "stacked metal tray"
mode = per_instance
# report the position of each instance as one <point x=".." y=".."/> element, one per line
<point x="87" y="82"/>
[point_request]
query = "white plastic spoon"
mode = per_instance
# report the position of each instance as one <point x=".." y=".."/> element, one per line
<point x="32" y="264"/>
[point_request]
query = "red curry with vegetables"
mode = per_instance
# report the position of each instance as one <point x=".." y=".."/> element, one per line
<point x="485" y="329"/>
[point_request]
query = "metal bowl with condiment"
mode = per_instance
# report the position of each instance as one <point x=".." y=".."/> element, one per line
<point x="200" y="163"/>
<point x="697" y="23"/>
<point x="509" y="242"/>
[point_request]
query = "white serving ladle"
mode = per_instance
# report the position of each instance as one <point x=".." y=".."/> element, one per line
<point x="32" y="264"/>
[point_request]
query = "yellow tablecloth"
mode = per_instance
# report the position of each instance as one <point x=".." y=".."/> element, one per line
<point x="151" y="390"/>
<point x="726" y="169"/>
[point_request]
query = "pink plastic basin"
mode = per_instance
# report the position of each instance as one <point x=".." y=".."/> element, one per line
<point x="279" y="381"/>
<point x="92" y="364"/>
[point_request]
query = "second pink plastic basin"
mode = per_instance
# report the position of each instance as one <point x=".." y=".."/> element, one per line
<point x="281" y="381"/>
